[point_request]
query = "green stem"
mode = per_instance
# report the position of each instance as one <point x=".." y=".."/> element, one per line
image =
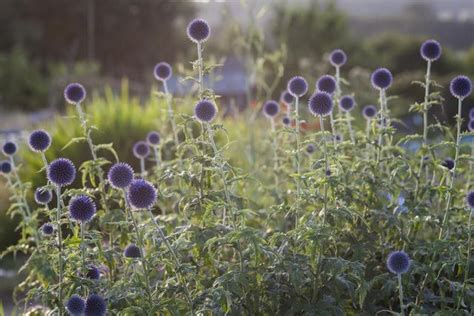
<point x="222" y="174"/>
<point x="298" y="161"/>
<point x="468" y="259"/>
<point x="142" y="249"/>
<point x="453" y="176"/>
<point x="326" y="171"/>
<point x="83" y="250"/>
<point x="400" y="294"/>
<point x="171" y="112"/>
<point x="60" y="247"/>
<point x="274" y="145"/>
<point x="349" y="126"/>
<point x="181" y="278"/>
<point x="142" y="167"/>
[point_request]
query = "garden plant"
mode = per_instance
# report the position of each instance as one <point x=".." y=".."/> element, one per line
<point x="244" y="216"/>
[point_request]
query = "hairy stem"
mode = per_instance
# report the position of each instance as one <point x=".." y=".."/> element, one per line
<point x="171" y="112"/>
<point x="298" y="162"/>
<point x="400" y="294"/>
<point x="453" y="176"/>
<point x="177" y="262"/>
<point x="60" y="247"/>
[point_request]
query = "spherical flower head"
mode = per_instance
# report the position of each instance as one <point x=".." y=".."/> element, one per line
<point x="286" y="98"/>
<point x="74" y="93"/>
<point x="381" y="79"/>
<point x="369" y="111"/>
<point x="470" y="199"/>
<point x="398" y="262"/>
<point x="286" y="121"/>
<point x="460" y="87"/>
<point x="5" y="167"/>
<point x="320" y="104"/>
<point x="162" y="71"/>
<point x="132" y="251"/>
<point x="120" y="175"/>
<point x="198" y="30"/>
<point x="9" y="148"/>
<point x="141" y="149"/>
<point x="205" y="111"/>
<point x="95" y="306"/>
<point x="82" y="208"/>
<point x="43" y="196"/>
<point x="47" y="229"/>
<point x="297" y="86"/>
<point x="93" y="273"/>
<point x="153" y="138"/>
<point x="75" y="305"/>
<point x="430" y="50"/>
<point x="448" y="163"/>
<point x="271" y="108"/>
<point x="470" y="126"/>
<point x="471" y="114"/>
<point x="61" y="172"/>
<point x="337" y="58"/>
<point x="310" y="148"/>
<point x="327" y="84"/>
<point x="347" y="103"/>
<point x="39" y="141"/>
<point x="141" y="194"/>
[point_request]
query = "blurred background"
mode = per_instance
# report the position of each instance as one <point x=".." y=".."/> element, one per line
<point x="111" y="47"/>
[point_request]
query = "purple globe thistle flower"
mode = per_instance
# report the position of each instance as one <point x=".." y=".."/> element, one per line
<point x="74" y="93"/>
<point x="338" y="138"/>
<point x="460" y="87"/>
<point x="93" y="273"/>
<point x="286" y="97"/>
<point x="310" y="148"/>
<point x="153" y="138"/>
<point x="381" y="79"/>
<point x="132" y="251"/>
<point x="326" y="83"/>
<point x="82" y="208"/>
<point x="75" y="305"/>
<point x="205" y="111"/>
<point x="43" y="196"/>
<point x="271" y="108"/>
<point x="47" y="229"/>
<point x="470" y="200"/>
<point x="9" y="148"/>
<point x="141" y="149"/>
<point x="337" y="58"/>
<point x="5" y="167"/>
<point x="286" y="121"/>
<point x="39" y="141"/>
<point x="120" y="175"/>
<point x="198" y="30"/>
<point x="448" y="163"/>
<point x="369" y="112"/>
<point x="61" y="172"/>
<point x="328" y="173"/>
<point x="398" y="262"/>
<point x="141" y="194"/>
<point x="471" y="114"/>
<point x="470" y="126"/>
<point x="162" y="71"/>
<point x="347" y="103"/>
<point x="95" y="306"/>
<point x="430" y="50"/>
<point x="320" y="104"/>
<point x="297" y="86"/>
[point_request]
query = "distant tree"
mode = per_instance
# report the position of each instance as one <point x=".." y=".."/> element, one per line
<point x="310" y="32"/>
<point x="127" y="36"/>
